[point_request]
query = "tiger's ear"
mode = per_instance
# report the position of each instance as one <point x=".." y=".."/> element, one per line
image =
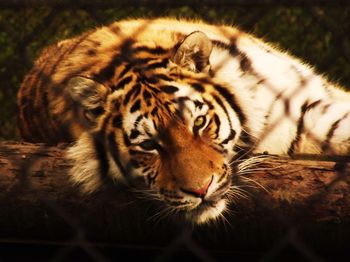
<point x="194" y="51"/>
<point x="89" y="95"/>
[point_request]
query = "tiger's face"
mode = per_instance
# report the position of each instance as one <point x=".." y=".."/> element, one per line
<point x="170" y="130"/>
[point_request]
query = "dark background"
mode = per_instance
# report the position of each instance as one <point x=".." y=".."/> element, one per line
<point x="316" y="31"/>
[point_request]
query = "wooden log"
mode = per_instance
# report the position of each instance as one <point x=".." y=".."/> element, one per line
<point x="295" y="201"/>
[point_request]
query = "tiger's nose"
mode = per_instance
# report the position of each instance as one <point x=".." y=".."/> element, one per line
<point x="198" y="192"/>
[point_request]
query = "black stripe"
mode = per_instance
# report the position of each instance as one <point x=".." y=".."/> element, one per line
<point x="232" y="48"/>
<point x="134" y="90"/>
<point x="108" y="71"/>
<point x="231" y="100"/>
<point x="117" y="121"/>
<point x="300" y="126"/>
<point x="123" y="82"/>
<point x="230" y="137"/>
<point x="248" y="141"/>
<point x="154" y="51"/>
<point x="211" y="107"/>
<point x="198" y="104"/>
<point x="91" y="52"/>
<point x="271" y="107"/>
<point x="169" y="89"/>
<point x="126" y="48"/>
<point x="162" y="64"/>
<point x="146" y="169"/>
<point x="149" y="79"/>
<point x="221" y="104"/>
<point x="154" y="111"/>
<point x="244" y="62"/>
<point x="134" y="134"/>
<point x="326" y="144"/>
<point x="244" y="136"/>
<point x="217" y="123"/>
<point x="155" y="90"/>
<point x="163" y="77"/>
<point x="137" y="88"/>
<point x="114" y="150"/>
<point x="168" y="107"/>
<point x="116" y="105"/>
<point x="126" y="139"/>
<point x="146" y="95"/>
<point x="198" y="87"/>
<point x="137" y="121"/>
<point x="142" y="61"/>
<point x="136" y="106"/>
<point x="125" y="70"/>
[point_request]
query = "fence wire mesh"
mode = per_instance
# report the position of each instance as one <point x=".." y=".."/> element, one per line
<point x="317" y="31"/>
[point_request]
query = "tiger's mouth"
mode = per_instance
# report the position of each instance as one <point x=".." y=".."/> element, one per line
<point x="209" y="209"/>
<point x="187" y="209"/>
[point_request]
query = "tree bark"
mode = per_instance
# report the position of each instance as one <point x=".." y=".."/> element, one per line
<point x="310" y="197"/>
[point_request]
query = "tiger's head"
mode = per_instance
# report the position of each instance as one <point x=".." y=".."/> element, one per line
<point x="167" y="127"/>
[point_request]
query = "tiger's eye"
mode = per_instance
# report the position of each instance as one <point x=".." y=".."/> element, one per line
<point x="199" y="121"/>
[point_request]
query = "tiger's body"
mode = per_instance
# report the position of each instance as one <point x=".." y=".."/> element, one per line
<point x="173" y="103"/>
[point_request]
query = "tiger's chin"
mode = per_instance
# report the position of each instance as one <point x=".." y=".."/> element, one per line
<point x="206" y="212"/>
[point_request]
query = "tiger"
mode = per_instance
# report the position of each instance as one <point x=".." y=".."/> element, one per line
<point x="173" y="107"/>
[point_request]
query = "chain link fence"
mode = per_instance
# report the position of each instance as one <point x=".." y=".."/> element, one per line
<point x="316" y="31"/>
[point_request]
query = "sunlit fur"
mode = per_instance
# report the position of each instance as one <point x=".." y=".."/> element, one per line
<point x="174" y="108"/>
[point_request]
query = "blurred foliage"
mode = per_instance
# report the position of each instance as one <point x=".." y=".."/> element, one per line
<point x="318" y="35"/>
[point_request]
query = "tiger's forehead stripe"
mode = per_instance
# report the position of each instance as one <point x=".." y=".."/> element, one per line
<point x="158" y="50"/>
<point x="132" y="93"/>
<point x="122" y="83"/>
<point x="224" y="99"/>
<point x="172" y="104"/>
<point x="204" y="85"/>
<point x="127" y="52"/>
